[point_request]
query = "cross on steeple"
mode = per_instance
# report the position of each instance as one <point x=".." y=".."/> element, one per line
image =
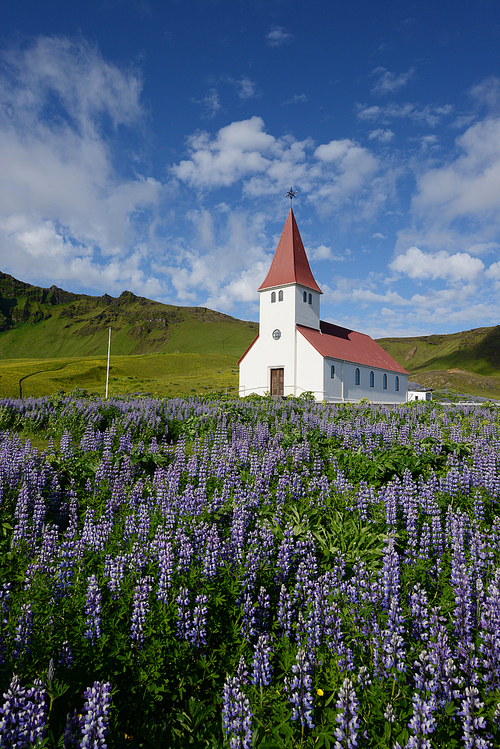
<point x="291" y="194"/>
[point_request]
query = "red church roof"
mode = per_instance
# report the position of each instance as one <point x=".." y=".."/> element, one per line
<point x="347" y="345"/>
<point x="290" y="263"/>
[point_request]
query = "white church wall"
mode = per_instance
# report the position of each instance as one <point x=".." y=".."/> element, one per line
<point x="267" y="354"/>
<point x="309" y="369"/>
<point x="306" y="313"/>
<point x="277" y="315"/>
<point x="333" y="385"/>
<point x="377" y="393"/>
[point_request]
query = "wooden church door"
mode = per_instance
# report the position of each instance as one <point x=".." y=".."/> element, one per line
<point x="277" y="381"/>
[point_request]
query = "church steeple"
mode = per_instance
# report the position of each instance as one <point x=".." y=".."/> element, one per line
<point x="290" y="263"/>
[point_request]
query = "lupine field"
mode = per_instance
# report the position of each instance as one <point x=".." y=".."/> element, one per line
<point x="268" y="573"/>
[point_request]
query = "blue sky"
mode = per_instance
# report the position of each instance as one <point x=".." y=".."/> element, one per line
<point x="149" y="145"/>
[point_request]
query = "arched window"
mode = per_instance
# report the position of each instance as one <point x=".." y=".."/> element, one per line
<point x="396" y="387"/>
<point x="280" y="296"/>
<point x="273" y="297"/>
<point x="384" y="382"/>
<point x="310" y="298"/>
<point x="372" y="380"/>
<point x="356" y="376"/>
<point x="305" y="297"/>
<point x="332" y="372"/>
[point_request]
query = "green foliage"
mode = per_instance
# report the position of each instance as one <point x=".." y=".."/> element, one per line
<point x="381" y="466"/>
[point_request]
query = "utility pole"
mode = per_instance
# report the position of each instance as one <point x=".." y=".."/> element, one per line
<point x="107" y="369"/>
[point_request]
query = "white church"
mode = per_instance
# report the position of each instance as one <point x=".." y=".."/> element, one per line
<point x="296" y="352"/>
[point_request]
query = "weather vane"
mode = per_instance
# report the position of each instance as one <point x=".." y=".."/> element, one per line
<point x="291" y="194"/>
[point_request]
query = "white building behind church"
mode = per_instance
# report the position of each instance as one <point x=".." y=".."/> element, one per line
<point x="296" y="352"/>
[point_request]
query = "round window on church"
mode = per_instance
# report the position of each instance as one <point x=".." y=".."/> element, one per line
<point x="276" y="334"/>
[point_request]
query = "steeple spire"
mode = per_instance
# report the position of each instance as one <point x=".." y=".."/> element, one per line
<point x="290" y="263"/>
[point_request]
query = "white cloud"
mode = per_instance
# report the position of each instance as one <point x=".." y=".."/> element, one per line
<point x="468" y="185"/>
<point x="239" y="149"/>
<point x="422" y="265"/>
<point x="390" y="83"/>
<point x="383" y="136"/>
<point x="296" y="99"/>
<point x="343" y="172"/>
<point x="211" y="102"/>
<point x="429" y="115"/>
<point x="65" y="214"/>
<point x="278" y="36"/>
<point x="494" y="271"/>
<point x="245" y="88"/>
<point x="322" y="252"/>
<point x="378" y="235"/>
<point x="487" y="92"/>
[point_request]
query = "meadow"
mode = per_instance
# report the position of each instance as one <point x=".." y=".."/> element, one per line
<point x="214" y="572"/>
<point x="159" y="374"/>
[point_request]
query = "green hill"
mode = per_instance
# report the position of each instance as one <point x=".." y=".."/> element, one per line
<point x="52" y="340"/>
<point x="466" y="362"/>
<point x="52" y="323"/>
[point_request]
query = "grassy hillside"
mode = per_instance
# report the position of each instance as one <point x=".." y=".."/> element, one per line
<point x="51" y="339"/>
<point x="52" y="323"/>
<point x="467" y="362"/>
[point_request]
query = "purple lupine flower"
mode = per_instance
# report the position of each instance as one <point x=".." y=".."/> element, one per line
<point x="285" y="611"/>
<point x="392" y="639"/>
<point x="419" y="606"/>
<point x="212" y="553"/>
<point x="347" y="717"/>
<point x="23" y="715"/>
<point x="185" y="552"/>
<point x="261" y="665"/>
<point x="5" y="592"/>
<point x="95" y="715"/>
<point x="236" y="714"/>
<point x="24" y="632"/>
<point x="364" y="678"/>
<point x="93" y="606"/>
<point x="72" y="731"/>
<point x="422" y="722"/>
<point x="390" y="574"/>
<point x="197" y="633"/>
<point x="489" y="634"/>
<point x="66" y="657"/>
<point x="183" y="614"/>
<point x="114" y="570"/>
<point x="299" y="690"/>
<point x="166" y="562"/>
<point x="249" y="620"/>
<point x="472" y="723"/>
<point x="140" y="608"/>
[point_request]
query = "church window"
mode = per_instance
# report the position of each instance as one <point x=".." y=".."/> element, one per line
<point x="305" y="297"/>
<point x="384" y="382"/>
<point x="397" y="384"/>
<point x="372" y="380"/>
<point x="332" y="372"/>
<point x="356" y="376"/>
<point x="310" y="298"/>
<point x="273" y="297"/>
<point x="276" y="334"/>
<point x="280" y="296"/>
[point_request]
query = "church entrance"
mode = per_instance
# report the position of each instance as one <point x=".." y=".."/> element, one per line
<point x="277" y="381"/>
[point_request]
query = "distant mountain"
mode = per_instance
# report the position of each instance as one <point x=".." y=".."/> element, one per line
<point x="41" y="323"/>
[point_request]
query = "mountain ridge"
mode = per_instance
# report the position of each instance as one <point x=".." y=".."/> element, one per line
<point x="80" y="323"/>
